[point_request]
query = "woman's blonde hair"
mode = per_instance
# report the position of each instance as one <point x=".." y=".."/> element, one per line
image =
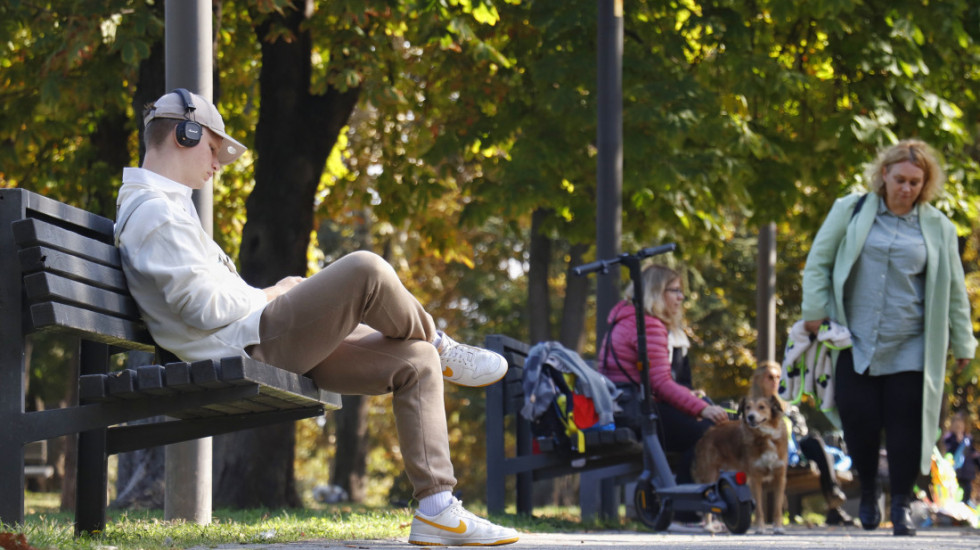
<point x="916" y="152"/>
<point x="655" y="280"/>
<point x="764" y="368"/>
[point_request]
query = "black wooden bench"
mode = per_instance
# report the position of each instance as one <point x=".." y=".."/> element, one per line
<point x="59" y="271"/>
<point x="610" y="458"/>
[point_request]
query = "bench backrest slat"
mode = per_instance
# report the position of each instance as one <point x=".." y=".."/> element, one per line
<point x="32" y="232"/>
<point x="92" y="325"/>
<point x="41" y="258"/>
<point x="60" y="214"/>
<point x="47" y="287"/>
<point x="72" y="276"/>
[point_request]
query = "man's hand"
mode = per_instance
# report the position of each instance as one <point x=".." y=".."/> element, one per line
<point x="281" y="287"/>
<point x="813" y="327"/>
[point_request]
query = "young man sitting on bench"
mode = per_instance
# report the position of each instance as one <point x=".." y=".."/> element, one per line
<point x="353" y="327"/>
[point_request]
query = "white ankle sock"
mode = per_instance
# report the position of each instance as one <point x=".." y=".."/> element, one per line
<point x="438" y="341"/>
<point x="433" y="505"/>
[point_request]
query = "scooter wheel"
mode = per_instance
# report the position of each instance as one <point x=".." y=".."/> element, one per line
<point x="650" y="508"/>
<point x="738" y="517"/>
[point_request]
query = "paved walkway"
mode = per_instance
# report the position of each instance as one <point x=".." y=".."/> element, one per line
<point x="795" y="538"/>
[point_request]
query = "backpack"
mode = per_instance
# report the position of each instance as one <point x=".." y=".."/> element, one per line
<point x="564" y="397"/>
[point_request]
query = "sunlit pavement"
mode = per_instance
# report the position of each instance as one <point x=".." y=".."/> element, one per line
<point x="795" y="538"/>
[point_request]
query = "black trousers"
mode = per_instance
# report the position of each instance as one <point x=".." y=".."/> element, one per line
<point x="814" y="449"/>
<point x="679" y="432"/>
<point x="869" y="405"/>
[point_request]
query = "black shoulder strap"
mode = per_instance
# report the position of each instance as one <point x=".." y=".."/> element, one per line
<point x="858" y="205"/>
<point x="609" y="349"/>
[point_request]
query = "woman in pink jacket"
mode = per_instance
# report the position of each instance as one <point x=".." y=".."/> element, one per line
<point x="684" y="416"/>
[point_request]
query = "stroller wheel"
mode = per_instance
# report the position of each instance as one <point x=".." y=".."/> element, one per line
<point x="650" y="508"/>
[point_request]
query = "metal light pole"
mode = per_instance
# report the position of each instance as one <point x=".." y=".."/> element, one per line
<point x="765" y="297"/>
<point x="187" y="43"/>
<point x="609" y="176"/>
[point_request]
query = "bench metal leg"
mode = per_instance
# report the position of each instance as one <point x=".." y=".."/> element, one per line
<point x="12" y="367"/>
<point x="92" y="481"/>
<point x="496" y="480"/>
<point x="599" y="489"/>
<point x="608" y="501"/>
<point x="589" y="489"/>
<point x="525" y="480"/>
<point x="12" y="483"/>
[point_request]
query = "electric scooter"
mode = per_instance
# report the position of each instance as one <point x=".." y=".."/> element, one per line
<point x="657" y="494"/>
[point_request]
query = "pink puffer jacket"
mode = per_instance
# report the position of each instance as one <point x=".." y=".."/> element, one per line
<point x="622" y="319"/>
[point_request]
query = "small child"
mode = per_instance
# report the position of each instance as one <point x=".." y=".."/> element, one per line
<point x="966" y="460"/>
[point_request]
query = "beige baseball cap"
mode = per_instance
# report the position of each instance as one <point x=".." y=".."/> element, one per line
<point x="171" y="105"/>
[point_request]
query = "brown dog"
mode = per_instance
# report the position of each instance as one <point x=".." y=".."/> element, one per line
<point x="755" y="444"/>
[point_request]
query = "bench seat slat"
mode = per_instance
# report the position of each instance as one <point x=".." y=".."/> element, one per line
<point x="235" y="370"/>
<point x="238" y="369"/>
<point x="122" y="384"/>
<point x="70" y="266"/>
<point x="150" y="379"/>
<point x="92" y="388"/>
<point x="48" y="287"/>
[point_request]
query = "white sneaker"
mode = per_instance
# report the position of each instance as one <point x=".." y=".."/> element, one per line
<point x="455" y="526"/>
<point x="469" y="365"/>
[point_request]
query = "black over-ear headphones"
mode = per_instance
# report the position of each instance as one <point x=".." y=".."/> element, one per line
<point x="188" y="131"/>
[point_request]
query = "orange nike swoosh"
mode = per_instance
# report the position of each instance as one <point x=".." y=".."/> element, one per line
<point x="460" y="529"/>
<point x="447" y="372"/>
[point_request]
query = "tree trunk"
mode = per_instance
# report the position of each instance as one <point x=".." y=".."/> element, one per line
<point x="350" y="461"/>
<point x="152" y="81"/>
<point x="295" y="134"/>
<point x="573" y="314"/>
<point x="539" y="306"/>
<point x="140" y="480"/>
<point x="254" y="468"/>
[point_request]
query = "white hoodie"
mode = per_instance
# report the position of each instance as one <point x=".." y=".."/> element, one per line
<point x="194" y="302"/>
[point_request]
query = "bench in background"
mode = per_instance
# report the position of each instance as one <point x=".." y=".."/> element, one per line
<point x="61" y="273"/>
<point x="611" y="457"/>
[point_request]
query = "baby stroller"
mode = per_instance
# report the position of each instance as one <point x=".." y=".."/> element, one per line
<point x="657" y="494"/>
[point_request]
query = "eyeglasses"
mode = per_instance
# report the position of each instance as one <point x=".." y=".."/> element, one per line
<point x="677" y="291"/>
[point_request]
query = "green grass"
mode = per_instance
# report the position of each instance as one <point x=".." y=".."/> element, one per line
<point x="47" y="528"/>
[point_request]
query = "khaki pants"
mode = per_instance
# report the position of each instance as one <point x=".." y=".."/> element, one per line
<point x="355" y="329"/>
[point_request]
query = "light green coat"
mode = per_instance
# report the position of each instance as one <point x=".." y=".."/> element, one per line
<point x="947" y="307"/>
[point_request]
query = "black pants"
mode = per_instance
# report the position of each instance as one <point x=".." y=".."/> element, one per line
<point x="814" y="449"/>
<point x="679" y="432"/>
<point x="870" y="404"/>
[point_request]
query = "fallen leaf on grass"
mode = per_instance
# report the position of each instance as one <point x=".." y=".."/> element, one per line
<point x="14" y="541"/>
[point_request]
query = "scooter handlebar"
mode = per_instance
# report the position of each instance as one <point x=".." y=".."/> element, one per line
<point x="592" y="267"/>
<point x="603" y="265"/>
<point x="656" y="250"/>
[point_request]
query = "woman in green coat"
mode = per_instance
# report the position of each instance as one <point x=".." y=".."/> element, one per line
<point x="886" y="265"/>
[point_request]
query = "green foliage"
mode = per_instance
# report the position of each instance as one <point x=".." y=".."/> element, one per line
<point x="475" y="113"/>
<point x="65" y="68"/>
